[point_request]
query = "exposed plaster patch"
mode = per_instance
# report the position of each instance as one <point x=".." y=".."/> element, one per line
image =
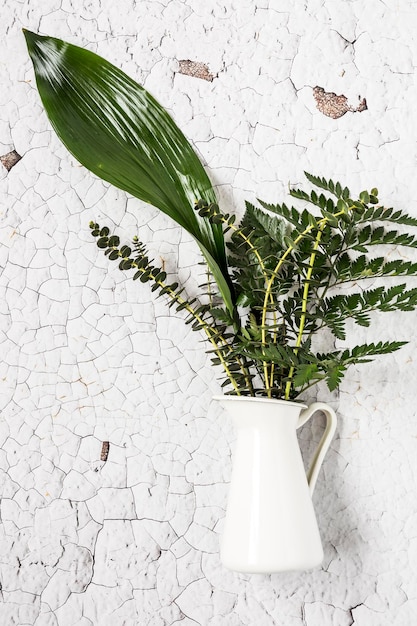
<point x="10" y="159"/>
<point x="335" y="106"/>
<point x="105" y="451"/>
<point x="195" y="69"/>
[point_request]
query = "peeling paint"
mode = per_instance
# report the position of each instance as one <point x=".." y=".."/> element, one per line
<point x="335" y="106"/>
<point x="10" y="159"/>
<point x="195" y="69"/>
<point x="105" y="451"/>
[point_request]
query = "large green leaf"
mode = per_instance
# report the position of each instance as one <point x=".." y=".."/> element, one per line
<point x="117" y="130"/>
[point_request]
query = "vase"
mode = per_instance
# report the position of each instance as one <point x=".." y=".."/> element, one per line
<point x="270" y="524"/>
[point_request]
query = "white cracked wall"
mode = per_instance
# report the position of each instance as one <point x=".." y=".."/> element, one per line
<point x="89" y="357"/>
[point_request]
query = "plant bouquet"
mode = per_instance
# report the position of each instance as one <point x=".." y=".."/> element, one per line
<point x="274" y="285"/>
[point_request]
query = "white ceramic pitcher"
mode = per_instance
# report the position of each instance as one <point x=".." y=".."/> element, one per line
<point x="270" y="523"/>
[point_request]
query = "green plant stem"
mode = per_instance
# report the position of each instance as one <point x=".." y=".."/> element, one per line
<point x="304" y="307"/>
<point x="323" y="221"/>
<point x="268" y="292"/>
<point x="269" y="376"/>
<point x="243" y="366"/>
<point x="207" y="330"/>
<point x="185" y="305"/>
<point x="329" y="284"/>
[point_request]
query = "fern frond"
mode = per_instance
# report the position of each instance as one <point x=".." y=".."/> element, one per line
<point x="291" y="215"/>
<point x="382" y="214"/>
<point x="348" y="270"/>
<point x="328" y="185"/>
<point x="360" y="238"/>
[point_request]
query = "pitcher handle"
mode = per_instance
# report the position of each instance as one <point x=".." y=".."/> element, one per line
<point x="320" y="453"/>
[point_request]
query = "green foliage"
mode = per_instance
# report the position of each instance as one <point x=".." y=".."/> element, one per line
<point x="285" y="275"/>
<point x="287" y="267"/>
<point x="331" y="367"/>
<point x="214" y="321"/>
<point x="117" y="130"/>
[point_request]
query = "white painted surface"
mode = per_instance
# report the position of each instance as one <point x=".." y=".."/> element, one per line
<point x="88" y="356"/>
